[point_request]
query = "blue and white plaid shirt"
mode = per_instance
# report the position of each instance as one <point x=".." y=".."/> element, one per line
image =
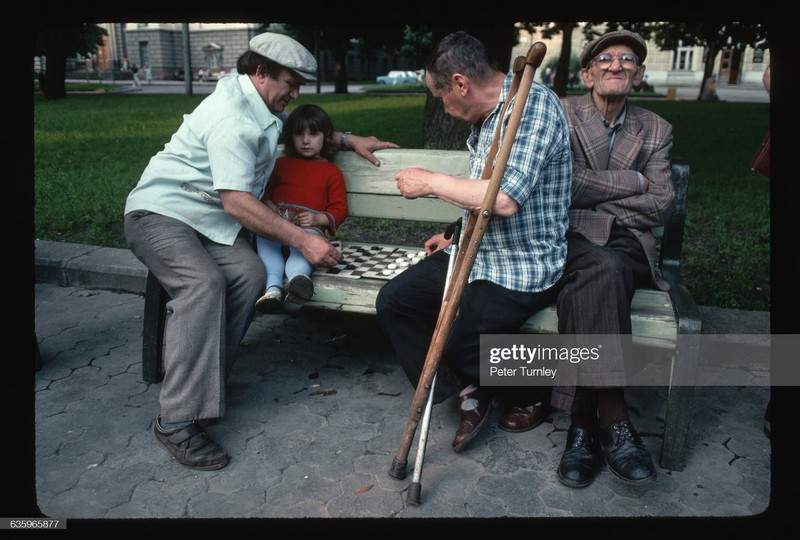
<point x="526" y="252"/>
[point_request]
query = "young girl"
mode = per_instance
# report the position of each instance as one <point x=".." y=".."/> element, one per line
<point x="309" y="190"/>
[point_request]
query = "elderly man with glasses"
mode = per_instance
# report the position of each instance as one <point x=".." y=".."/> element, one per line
<point x="621" y="189"/>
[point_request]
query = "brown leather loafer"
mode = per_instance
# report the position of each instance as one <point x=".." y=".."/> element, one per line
<point x="474" y="407"/>
<point x="519" y="419"/>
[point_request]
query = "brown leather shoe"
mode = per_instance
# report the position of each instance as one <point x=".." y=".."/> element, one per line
<point x="519" y="419"/>
<point x="474" y="406"/>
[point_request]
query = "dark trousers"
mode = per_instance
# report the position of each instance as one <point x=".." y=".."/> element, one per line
<point x="594" y="297"/>
<point x="408" y="308"/>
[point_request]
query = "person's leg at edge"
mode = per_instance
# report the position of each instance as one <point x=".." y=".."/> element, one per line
<point x="299" y="285"/>
<point x="297" y="265"/>
<point x="271" y="254"/>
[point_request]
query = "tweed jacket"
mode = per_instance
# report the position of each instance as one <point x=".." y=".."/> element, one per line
<point x="605" y="185"/>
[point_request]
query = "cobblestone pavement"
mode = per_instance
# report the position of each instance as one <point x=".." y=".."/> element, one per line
<point x="316" y="408"/>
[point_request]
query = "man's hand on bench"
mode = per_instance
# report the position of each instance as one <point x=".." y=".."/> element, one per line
<point x="365" y="146"/>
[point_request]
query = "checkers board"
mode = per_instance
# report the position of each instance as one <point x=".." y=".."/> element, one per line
<point x="374" y="262"/>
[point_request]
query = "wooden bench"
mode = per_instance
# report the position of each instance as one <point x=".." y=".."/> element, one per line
<point x="658" y="317"/>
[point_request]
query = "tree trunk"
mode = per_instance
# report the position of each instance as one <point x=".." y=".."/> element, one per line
<point x="340" y="68"/>
<point x="711" y="53"/>
<point x="562" y="68"/>
<point x="55" y="69"/>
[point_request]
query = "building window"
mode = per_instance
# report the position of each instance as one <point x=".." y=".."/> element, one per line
<point x="144" y="53"/>
<point x="682" y="61"/>
<point x="213" y="56"/>
<point x="758" y="56"/>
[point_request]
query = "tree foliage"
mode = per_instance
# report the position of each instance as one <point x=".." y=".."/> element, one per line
<point x="57" y="41"/>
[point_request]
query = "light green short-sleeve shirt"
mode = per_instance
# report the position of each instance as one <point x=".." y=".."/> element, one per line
<point x="228" y="142"/>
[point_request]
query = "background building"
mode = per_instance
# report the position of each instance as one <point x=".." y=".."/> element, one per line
<point x="215" y="47"/>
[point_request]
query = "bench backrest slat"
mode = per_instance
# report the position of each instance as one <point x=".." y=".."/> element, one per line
<point x="372" y="191"/>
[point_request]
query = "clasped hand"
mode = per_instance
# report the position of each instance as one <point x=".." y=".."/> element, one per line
<point x="412" y="182"/>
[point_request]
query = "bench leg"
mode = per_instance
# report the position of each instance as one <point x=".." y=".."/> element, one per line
<point x="679" y="401"/>
<point x="676" y="429"/>
<point x="155" y="318"/>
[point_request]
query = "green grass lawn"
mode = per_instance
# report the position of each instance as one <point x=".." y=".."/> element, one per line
<point x="89" y="151"/>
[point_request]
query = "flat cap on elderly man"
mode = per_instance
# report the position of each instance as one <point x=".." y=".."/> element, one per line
<point x="287" y="52"/>
<point x="632" y="39"/>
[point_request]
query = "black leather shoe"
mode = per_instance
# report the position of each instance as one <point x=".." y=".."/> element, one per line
<point x="474" y="405"/>
<point x="626" y="455"/>
<point x="192" y="446"/>
<point x="581" y="460"/>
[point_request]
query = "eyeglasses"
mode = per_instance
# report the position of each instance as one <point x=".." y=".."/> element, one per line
<point x="626" y="60"/>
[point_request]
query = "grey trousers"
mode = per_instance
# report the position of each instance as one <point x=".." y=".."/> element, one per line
<point x="213" y="289"/>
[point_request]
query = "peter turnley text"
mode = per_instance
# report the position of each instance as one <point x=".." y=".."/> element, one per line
<point x="520" y="353"/>
<point x="521" y="371"/>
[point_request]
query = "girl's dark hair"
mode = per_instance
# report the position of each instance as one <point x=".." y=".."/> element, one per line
<point x="315" y="119"/>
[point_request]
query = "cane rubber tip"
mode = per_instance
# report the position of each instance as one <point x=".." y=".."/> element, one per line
<point x="398" y="469"/>
<point x="414" y="490"/>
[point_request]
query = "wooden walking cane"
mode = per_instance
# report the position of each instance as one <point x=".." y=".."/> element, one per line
<point x="524" y="70"/>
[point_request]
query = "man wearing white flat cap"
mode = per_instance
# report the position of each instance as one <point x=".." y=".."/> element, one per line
<point x="189" y="220"/>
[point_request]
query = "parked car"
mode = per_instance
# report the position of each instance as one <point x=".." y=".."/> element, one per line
<point x="399" y="77"/>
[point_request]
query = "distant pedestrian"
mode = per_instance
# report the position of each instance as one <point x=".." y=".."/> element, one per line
<point x="548" y="77"/>
<point x="572" y="81"/>
<point x="148" y="74"/>
<point x="135" y="72"/>
<point x="710" y="90"/>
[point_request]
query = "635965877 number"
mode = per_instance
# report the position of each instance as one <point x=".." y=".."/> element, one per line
<point x="32" y="523"/>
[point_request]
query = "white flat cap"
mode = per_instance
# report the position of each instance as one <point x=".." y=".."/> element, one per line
<point x="287" y="52"/>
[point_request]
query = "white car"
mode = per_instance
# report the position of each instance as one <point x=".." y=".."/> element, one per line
<point x="398" y="77"/>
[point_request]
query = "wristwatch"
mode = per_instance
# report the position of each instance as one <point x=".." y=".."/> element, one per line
<point x="342" y="138"/>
